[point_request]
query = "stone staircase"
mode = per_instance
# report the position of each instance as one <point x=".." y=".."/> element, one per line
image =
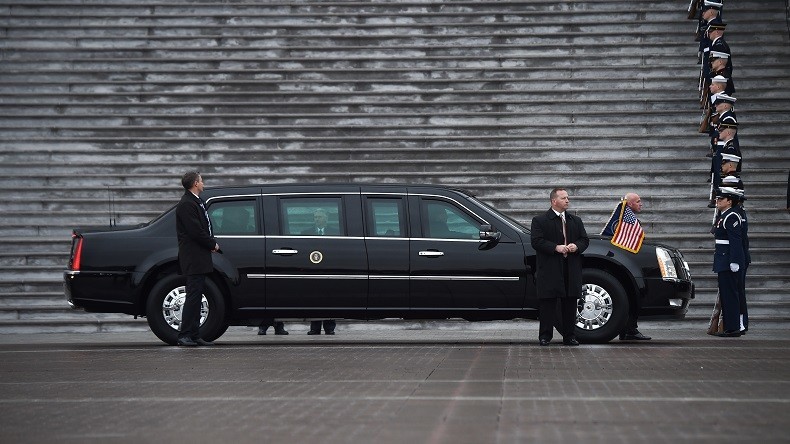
<point x="113" y="100"/>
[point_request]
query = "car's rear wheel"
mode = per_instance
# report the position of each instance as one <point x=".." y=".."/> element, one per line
<point x="602" y="311"/>
<point x="165" y="304"/>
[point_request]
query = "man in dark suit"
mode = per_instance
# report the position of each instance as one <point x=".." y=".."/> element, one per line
<point x="320" y="228"/>
<point x="559" y="239"/>
<point x="195" y="244"/>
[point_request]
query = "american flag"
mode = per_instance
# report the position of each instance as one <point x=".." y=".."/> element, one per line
<point x="629" y="234"/>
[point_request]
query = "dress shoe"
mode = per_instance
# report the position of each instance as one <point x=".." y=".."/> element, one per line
<point x="743" y="332"/>
<point x="729" y="334"/>
<point x="280" y="332"/>
<point x="572" y="342"/>
<point x="329" y="332"/>
<point x="262" y="331"/>
<point x="634" y="336"/>
<point x="313" y="332"/>
<point x="202" y="343"/>
<point x="544" y="342"/>
<point x="186" y="342"/>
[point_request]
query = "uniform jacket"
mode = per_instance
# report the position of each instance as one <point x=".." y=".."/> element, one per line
<point x="744" y="233"/>
<point x="546" y="235"/>
<point x="195" y="239"/>
<point x="720" y="45"/>
<point x="727" y="230"/>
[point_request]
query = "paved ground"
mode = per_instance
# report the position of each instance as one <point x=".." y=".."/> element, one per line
<point x="396" y="386"/>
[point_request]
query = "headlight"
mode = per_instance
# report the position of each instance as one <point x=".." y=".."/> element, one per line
<point x="665" y="263"/>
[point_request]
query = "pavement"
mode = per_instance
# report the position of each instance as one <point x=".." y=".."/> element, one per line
<point x="397" y="385"/>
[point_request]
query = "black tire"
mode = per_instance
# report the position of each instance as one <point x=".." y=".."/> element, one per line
<point x="163" y="309"/>
<point x="604" y="313"/>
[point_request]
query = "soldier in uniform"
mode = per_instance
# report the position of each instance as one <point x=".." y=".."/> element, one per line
<point x="716" y="86"/>
<point x="729" y="258"/>
<point x="727" y="142"/>
<point x="732" y="181"/>
<point x="718" y="67"/>
<point x="717" y="42"/>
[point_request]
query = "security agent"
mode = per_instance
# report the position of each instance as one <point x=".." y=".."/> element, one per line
<point x="729" y="258"/>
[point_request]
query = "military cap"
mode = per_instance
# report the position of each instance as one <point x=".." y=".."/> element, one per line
<point x="719" y="79"/>
<point x="730" y="158"/>
<point x="719" y="55"/>
<point x="728" y="120"/>
<point x="731" y="192"/>
<point x="723" y="98"/>
<point x="712" y="4"/>
<point x="716" y="24"/>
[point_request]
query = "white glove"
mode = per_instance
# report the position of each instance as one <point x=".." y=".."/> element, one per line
<point x="734" y="267"/>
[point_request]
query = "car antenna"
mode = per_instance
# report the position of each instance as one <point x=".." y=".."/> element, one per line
<point x="111" y="206"/>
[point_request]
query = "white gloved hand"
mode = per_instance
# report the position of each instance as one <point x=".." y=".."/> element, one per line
<point x="734" y="267"/>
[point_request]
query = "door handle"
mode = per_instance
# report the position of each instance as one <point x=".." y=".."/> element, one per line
<point x="285" y="252"/>
<point x="431" y="253"/>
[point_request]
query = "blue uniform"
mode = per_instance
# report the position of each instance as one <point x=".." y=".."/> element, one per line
<point x="727" y="230"/>
<point x="747" y="260"/>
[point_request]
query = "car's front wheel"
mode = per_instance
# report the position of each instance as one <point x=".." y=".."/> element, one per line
<point x="602" y="311"/>
<point x="166" y="302"/>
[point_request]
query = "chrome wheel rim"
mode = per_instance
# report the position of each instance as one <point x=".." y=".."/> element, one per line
<point x="173" y="306"/>
<point x="594" y="308"/>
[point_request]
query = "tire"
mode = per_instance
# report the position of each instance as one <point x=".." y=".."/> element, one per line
<point x="163" y="309"/>
<point x="602" y="312"/>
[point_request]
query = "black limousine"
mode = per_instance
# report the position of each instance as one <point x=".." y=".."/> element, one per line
<point x="387" y="251"/>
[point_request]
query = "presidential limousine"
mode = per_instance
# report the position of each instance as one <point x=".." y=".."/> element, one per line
<point x="382" y="251"/>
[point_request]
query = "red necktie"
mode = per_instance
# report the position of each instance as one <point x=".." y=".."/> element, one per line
<point x="564" y="232"/>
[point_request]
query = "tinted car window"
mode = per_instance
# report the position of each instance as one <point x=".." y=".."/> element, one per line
<point x="312" y="216"/>
<point x="386" y="217"/>
<point x="233" y="217"/>
<point x="444" y="220"/>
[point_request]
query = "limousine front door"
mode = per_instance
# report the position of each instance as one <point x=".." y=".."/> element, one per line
<point x="452" y="268"/>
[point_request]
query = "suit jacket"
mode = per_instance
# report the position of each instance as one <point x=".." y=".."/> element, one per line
<point x="313" y="231"/>
<point x="195" y="240"/>
<point x="546" y="235"/>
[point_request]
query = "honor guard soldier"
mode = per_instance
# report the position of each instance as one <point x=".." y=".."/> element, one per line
<point x="729" y="258"/>
<point x="717" y="42"/>
<point x="731" y="181"/>
<point x="718" y="67"/>
<point x="729" y="151"/>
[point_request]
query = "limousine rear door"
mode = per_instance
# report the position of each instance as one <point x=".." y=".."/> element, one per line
<point x="316" y="262"/>
<point x="451" y="268"/>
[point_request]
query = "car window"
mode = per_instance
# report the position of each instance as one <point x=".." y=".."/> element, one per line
<point x="444" y="220"/>
<point x="386" y="217"/>
<point x="312" y="216"/>
<point x="233" y="217"/>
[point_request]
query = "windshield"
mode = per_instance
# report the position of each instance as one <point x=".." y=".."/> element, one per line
<point x="512" y="222"/>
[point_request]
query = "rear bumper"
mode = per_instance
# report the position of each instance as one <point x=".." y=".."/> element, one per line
<point x="100" y="292"/>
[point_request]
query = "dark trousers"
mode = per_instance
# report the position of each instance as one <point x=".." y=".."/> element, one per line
<point x="278" y="325"/>
<point x="729" y="289"/>
<point x="633" y="315"/>
<point x="742" y="297"/>
<point x="190" y="312"/>
<point x="548" y="308"/>
<point x="329" y="326"/>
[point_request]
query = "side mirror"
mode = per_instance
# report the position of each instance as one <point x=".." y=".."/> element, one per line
<point x="488" y="234"/>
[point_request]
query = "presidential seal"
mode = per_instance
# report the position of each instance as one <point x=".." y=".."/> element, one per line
<point x="316" y="257"/>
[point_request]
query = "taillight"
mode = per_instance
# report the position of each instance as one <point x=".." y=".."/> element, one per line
<point x="76" y="252"/>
